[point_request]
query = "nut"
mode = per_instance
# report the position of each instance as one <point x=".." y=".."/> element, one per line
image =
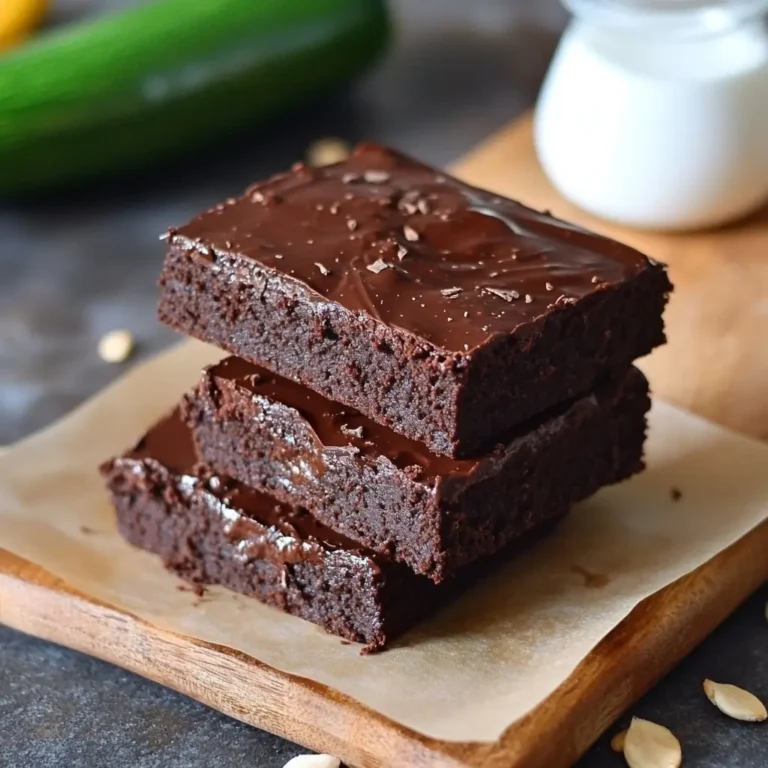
<point x="116" y="346"/>
<point x="327" y="151"/>
<point x="649" y="745"/>
<point x="735" y="702"/>
<point x="313" y="761"/>
<point x="617" y="742"/>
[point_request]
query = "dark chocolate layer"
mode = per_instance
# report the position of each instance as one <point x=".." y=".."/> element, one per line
<point x="414" y="248"/>
<point x="433" y="513"/>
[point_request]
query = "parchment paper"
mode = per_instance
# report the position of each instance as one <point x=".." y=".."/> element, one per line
<point x="472" y="670"/>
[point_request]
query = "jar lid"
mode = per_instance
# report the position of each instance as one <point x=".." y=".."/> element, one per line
<point x="684" y="18"/>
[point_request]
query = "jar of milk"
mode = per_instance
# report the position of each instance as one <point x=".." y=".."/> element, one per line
<point x="655" y="113"/>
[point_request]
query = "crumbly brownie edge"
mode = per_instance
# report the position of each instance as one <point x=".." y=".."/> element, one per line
<point x="403" y="382"/>
<point x="352" y="601"/>
<point x="388" y="374"/>
<point x="569" y="459"/>
<point x="565" y="357"/>
<point x="356" y="609"/>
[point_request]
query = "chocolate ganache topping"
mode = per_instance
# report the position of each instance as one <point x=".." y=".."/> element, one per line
<point x="415" y="248"/>
<point x="334" y="425"/>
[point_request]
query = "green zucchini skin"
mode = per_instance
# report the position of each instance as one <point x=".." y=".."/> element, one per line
<point x="124" y="90"/>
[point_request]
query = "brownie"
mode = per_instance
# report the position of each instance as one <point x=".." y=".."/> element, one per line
<point x="434" y="513"/>
<point x="438" y="309"/>
<point x="210" y="529"/>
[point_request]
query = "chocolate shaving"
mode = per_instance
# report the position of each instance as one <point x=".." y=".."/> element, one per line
<point x="549" y="286"/>
<point x="408" y="208"/>
<point x="376" y="177"/>
<point x="451" y="293"/>
<point x="377" y="266"/>
<point x="402" y="252"/>
<point x="528" y="298"/>
<point x="423" y="206"/>
<point x="502" y="293"/>
<point x="323" y="269"/>
<point x="411" y="235"/>
<point x="356" y="432"/>
<point x="351" y="225"/>
<point x="348" y="178"/>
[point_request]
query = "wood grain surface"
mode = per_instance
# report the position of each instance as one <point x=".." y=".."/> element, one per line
<point x="716" y="364"/>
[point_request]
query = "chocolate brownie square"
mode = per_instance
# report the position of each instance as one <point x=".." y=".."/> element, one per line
<point x="442" y="311"/>
<point x="434" y="513"/>
<point x="210" y="529"/>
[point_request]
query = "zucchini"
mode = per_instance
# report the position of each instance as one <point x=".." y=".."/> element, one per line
<point x="125" y="90"/>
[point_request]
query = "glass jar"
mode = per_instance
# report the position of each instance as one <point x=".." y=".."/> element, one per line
<point x="655" y="114"/>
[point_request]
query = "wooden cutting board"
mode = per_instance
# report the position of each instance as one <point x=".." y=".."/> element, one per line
<point x="716" y="364"/>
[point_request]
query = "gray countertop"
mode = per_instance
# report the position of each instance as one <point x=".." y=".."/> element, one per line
<point x="75" y="266"/>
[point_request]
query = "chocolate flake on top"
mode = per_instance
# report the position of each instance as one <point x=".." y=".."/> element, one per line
<point x="376" y="177"/>
<point x="507" y="295"/>
<point x="377" y="266"/>
<point x="349" y="432"/>
<point x="410" y="234"/>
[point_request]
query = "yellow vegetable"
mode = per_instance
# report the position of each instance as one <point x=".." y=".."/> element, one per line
<point x="18" y="19"/>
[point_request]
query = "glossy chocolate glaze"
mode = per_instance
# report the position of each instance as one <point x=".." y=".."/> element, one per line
<point x="336" y="425"/>
<point x="411" y="246"/>
<point x="257" y="524"/>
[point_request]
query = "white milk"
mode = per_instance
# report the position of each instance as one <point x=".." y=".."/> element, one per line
<point x="658" y="122"/>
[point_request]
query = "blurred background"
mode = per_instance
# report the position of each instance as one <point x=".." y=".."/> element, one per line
<point x="80" y="257"/>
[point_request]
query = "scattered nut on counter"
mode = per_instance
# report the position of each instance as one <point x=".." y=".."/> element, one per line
<point x="649" y="745"/>
<point x="116" y="346"/>
<point x="327" y="151"/>
<point x="735" y="702"/>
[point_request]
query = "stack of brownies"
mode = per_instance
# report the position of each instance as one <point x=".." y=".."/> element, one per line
<point x="424" y="373"/>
